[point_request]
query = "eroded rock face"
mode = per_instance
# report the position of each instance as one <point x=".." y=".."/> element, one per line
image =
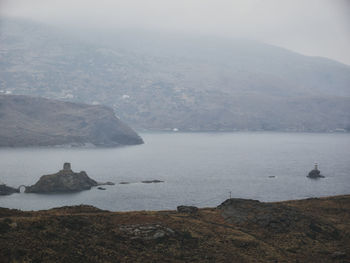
<point x="64" y="181"/>
<point x="7" y="190"/>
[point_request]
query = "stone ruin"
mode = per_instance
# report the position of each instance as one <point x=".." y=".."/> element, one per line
<point x="67" y="167"/>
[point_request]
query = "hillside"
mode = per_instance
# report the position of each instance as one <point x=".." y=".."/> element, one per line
<point x="311" y="230"/>
<point x="34" y="121"/>
<point x="159" y="82"/>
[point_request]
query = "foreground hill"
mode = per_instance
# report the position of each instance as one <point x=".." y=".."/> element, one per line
<point x="311" y="230"/>
<point x="159" y="82"/>
<point x="32" y="121"/>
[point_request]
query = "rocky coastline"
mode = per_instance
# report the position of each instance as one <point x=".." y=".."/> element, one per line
<point x="7" y="190"/>
<point x="27" y="121"/>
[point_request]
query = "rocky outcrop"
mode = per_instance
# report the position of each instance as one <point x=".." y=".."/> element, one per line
<point x="64" y="181"/>
<point x="315" y="173"/>
<point x="274" y="218"/>
<point x="152" y="181"/>
<point x="145" y="182"/>
<point x="106" y="183"/>
<point x="7" y="190"/>
<point x="32" y="121"/>
<point x="146" y="231"/>
<point x="187" y="209"/>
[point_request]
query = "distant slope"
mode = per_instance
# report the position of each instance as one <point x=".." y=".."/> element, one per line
<point x="163" y="82"/>
<point x="30" y="121"/>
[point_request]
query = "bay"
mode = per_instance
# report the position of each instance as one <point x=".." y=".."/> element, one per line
<point x="197" y="169"/>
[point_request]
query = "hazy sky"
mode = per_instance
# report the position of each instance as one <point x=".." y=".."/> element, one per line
<point x="312" y="27"/>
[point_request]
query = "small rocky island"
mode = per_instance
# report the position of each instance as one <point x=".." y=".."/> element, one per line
<point x="315" y="173"/>
<point x="7" y="190"/>
<point x="64" y="181"/>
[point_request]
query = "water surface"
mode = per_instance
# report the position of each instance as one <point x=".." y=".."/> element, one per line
<point x="198" y="169"/>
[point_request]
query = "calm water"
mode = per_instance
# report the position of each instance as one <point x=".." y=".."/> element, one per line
<point x="198" y="169"/>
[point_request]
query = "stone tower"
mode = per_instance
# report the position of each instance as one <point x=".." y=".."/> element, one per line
<point x="67" y="167"/>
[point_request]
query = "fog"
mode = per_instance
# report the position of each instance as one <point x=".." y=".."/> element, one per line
<point x="313" y="27"/>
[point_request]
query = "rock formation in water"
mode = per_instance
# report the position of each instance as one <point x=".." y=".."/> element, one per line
<point x="7" y="190"/>
<point x="64" y="181"/>
<point x="32" y="121"/>
<point x="152" y="181"/>
<point x="315" y="173"/>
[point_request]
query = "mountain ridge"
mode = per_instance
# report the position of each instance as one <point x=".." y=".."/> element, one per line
<point x="193" y="84"/>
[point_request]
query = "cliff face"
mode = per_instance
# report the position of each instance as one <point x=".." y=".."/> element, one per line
<point x="33" y="121"/>
<point x="312" y="230"/>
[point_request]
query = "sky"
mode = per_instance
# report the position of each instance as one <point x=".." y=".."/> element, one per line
<point x="310" y="27"/>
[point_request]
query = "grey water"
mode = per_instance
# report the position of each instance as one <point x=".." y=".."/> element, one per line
<point x="197" y="169"/>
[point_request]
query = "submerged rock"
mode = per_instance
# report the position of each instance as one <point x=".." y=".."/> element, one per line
<point x="64" y="181"/>
<point x="7" y="190"/>
<point x="152" y="181"/>
<point x="107" y="183"/>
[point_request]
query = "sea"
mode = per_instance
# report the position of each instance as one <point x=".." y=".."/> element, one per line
<point x="200" y="169"/>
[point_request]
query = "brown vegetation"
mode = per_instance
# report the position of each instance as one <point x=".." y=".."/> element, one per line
<point x="311" y="230"/>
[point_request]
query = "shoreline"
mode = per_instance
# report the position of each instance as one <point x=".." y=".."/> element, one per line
<point x="166" y="210"/>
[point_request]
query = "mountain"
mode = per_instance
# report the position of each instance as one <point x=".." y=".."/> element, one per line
<point x="163" y="81"/>
<point x="32" y="121"/>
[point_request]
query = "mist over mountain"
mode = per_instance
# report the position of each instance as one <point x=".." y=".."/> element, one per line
<point x="31" y="121"/>
<point x="161" y="82"/>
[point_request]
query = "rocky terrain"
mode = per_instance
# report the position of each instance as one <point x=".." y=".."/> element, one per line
<point x="156" y="81"/>
<point x="64" y="181"/>
<point x="311" y="230"/>
<point x="7" y="190"/>
<point x="34" y="121"/>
